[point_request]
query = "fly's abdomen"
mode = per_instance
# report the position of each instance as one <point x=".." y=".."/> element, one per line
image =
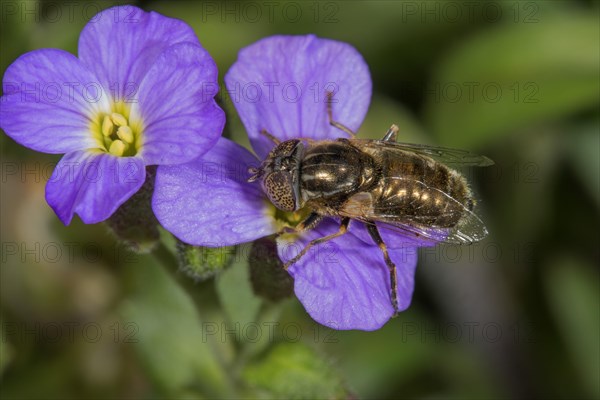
<point x="416" y="189"/>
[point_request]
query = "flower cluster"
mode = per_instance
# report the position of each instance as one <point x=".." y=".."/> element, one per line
<point x="141" y="93"/>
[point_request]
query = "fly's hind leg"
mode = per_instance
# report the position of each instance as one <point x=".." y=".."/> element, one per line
<point x="391" y="134"/>
<point x="374" y="232"/>
<point x="343" y="229"/>
<point x="338" y="125"/>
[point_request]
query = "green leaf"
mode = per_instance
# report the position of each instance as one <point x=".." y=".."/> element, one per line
<point x="573" y="294"/>
<point x="394" y="355"/>
<point x="169" y="337"/>
<point x="6" y="350"/>
<point x="236" y="294"/>
<point x="295" y="371"/>
<point x="582" y="151"/>
<point x="513" y="76"/>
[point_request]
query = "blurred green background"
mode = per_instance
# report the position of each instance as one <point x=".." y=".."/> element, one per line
<point x="514" y="316"/>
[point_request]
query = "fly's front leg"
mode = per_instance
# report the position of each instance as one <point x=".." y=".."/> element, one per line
<point x="391" y="134"/>
<point x="343" y="229"/>
<point x="310" y="222"/>
<point x="272" y="138"/>
<point x="374" y="232"/>
<point x="329" y="96"/>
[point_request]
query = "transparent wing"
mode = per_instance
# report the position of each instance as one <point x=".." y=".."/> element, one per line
<point x="450" y="157"/>
<point x="469" y="229"/>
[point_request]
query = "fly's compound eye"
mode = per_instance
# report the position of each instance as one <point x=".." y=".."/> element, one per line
<point x="279" y="188"/>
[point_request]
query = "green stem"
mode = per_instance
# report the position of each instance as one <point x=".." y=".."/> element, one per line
<point x="218" y="383"/>
<point x="166" y="257"/>
<point x="268" y="312"/>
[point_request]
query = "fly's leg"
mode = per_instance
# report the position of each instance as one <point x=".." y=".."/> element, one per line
<point x="390" y="135"/>
<point x="374" y="232"/>
<point x="310" y="222"/>
<point x="338" y="125"/>
<point x="343" y="229"/>
<point x="272" y="138"/>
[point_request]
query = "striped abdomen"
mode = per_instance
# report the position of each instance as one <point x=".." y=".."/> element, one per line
<point x="416" y="189"/>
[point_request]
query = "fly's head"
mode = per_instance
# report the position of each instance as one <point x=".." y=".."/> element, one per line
<point x="279" y="175"/>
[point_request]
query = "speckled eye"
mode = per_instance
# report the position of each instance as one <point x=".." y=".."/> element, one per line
<point x="279" y="188"/>
<point x="286" y="148"/>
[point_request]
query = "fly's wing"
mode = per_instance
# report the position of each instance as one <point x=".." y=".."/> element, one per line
<point x="450" y="157"/>
<point x="469" y="228"/>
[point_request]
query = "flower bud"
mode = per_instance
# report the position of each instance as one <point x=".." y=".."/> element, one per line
<point x="134" y="223"/>
<point x="202" y="263"/>
<point x="269" y="279"/>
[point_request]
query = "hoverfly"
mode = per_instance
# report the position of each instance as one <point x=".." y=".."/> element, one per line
<point x="409" y="188"/>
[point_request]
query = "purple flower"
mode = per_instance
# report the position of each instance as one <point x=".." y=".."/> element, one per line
<point x="279" y="84"/>
<point x="140" y="93"/>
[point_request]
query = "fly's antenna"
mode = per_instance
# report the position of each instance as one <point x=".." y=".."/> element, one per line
<point x="255" y="173"/>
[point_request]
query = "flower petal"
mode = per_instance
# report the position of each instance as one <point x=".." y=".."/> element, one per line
<point x="120" y="44"/>
<point x="93" y="185"/>
<point x="176" y="104"/>
<point x="345" y="284"/>
<point x="208" y="202"/>
<point x="279" y="84"/>
<point x="49" y="100"/>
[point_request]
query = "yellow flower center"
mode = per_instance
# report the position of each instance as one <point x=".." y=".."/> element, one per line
<point x="283" y="219"/>
<point x="290" y="218"/>
<point x="116" y="133"/>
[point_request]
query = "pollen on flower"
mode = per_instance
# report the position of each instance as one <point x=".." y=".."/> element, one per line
<point x="117" y="148"/>
<point x="116" y="134"/>
<point x="107" y="126"/>
<point x="125" y="134"/>
<point x="286" y="219"/>
<point x="118" y="119"/>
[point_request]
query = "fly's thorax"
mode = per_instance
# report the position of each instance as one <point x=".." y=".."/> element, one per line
<point x="279" y="175"/>
<point x="334" y="168"/>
